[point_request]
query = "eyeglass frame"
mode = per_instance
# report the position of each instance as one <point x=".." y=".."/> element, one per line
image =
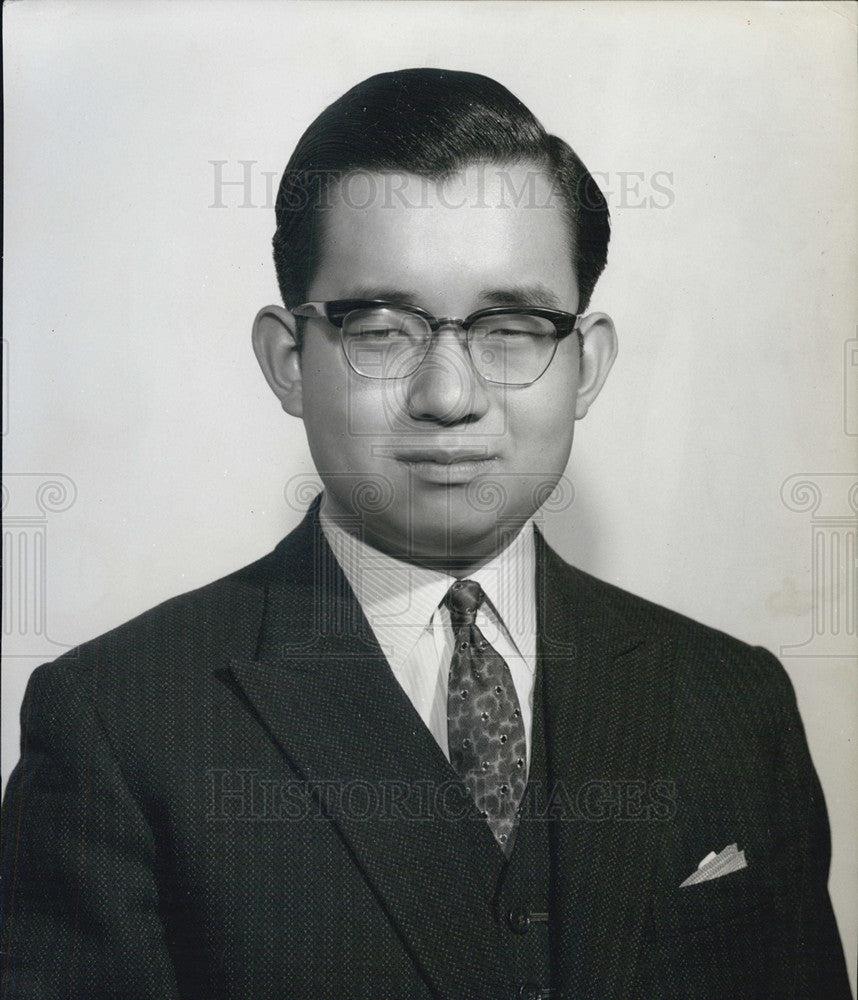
<point x="336" y="310"/>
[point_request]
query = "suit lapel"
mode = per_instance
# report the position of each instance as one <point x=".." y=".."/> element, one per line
<point x="607" y="697"/>
<point x="326" y="695"/>
<point x="321" y="686"/>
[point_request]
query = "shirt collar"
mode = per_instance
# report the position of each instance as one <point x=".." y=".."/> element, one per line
<point x="400" y="599"/>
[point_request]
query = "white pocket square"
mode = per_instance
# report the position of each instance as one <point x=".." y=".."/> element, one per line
<point x="731" y="859"/>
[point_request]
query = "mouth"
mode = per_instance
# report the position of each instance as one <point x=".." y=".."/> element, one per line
<point x="446" y="466"/>
<point x="443" y="456"/>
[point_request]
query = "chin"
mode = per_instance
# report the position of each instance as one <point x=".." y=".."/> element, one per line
<point x="447" y="541"/>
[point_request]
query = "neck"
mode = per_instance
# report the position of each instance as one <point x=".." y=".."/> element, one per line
<point x="453" y="557"/>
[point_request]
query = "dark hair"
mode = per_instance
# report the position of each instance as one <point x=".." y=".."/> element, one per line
<point x="430" y="122"/>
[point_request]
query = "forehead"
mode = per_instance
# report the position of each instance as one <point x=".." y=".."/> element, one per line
<point x="488" y="226"/>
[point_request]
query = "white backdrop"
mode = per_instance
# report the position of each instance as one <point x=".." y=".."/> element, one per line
<point x="725" y="136"/>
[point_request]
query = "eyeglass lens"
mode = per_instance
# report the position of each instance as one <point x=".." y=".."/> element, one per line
<point x="511" y="348"/>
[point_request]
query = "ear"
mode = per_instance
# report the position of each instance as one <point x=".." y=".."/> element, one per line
<point x="600" y="349"/>
<point x="275" y="345"/>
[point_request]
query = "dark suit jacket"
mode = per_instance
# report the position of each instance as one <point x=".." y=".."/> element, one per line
<point x="198" y="809"/>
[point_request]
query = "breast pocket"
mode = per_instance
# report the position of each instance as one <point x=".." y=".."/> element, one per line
<point x="715" y="939"/>
<point x="742" y="893"/>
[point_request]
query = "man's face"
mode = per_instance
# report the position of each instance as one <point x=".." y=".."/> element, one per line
<point x="438" y="464"/>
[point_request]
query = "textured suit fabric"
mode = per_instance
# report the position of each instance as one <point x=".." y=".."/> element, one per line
<point x="213" y="802"/>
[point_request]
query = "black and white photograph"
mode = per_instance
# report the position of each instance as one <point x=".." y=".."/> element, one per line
<point x="430" y="500"/>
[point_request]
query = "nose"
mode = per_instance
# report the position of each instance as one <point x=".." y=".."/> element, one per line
<point x="445" y="389"/>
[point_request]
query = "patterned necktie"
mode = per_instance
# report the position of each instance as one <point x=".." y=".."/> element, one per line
<point x="485" y="729"/>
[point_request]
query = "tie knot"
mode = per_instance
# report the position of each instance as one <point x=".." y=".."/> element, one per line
<point x="463" y="599"/>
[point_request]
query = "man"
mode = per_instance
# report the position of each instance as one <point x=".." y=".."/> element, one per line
<point x="411" y="753"/>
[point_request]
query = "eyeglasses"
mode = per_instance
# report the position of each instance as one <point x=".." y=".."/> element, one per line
<point x="384" y="340"/>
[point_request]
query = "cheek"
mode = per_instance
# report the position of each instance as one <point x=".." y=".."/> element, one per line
<point x="324" y="390"/>
<point x="344" y="416"/>
<point x="543" y="421"/>
<point x="326" y="383"/>
<point x="364" y="408"/>
<point x="544" y="445"/>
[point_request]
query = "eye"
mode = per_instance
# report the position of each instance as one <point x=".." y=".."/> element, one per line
<point x="384" y="324"/>
<point x="507" y="331"/>
<point x="374" y="331"/>
<point x="512" y="325"/>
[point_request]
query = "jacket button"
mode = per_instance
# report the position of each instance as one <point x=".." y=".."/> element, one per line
<point x="531" y="991"/>
<point x="519" y="921"/>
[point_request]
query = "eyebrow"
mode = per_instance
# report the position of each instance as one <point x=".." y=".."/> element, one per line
<point x="531" y="295"/>
<point x="535" y="295"/>
<point x="382" y="294"/>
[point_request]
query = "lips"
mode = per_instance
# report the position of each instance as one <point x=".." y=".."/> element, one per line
<point x="443" y="456"/>
<point x="446" y="466"/>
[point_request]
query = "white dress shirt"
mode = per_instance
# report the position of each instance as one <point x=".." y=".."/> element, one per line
<point x="402" y="603"/>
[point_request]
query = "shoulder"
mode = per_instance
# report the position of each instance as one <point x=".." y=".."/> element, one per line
<point x="709" y="666"/>
<point x="730" y="705"/>
<point x="187" y="639"/>
<point x="185" y="635"/>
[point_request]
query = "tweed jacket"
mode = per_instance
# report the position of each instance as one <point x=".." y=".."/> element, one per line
<point x="231" y="797"/>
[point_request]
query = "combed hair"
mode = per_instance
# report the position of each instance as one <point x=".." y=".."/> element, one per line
<point x="433" y="123"/>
